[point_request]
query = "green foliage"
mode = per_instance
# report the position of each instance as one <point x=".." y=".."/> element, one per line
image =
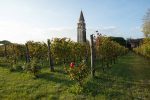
<point x="17" y="50"/>
<point x="5" y="42"/>
<point x="76" y="89"/>
<point x="33" y="67"/>
<point x="64" y="50"/>
<point x="37" y="49"/>
<point x="78" y="73"/>
<point x="146" y="24"/>
<point x="107" y="50"/>
<point x="61" y="50"/>
<point x="119" y="40"/>
<point x="144" y="48"/>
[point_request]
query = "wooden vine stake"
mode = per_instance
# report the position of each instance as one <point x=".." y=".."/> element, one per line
<point x="50" y="56"/>
<point x="27" y="54"/>
<point x="5" y="51"/>
<point x="92" y="56"/>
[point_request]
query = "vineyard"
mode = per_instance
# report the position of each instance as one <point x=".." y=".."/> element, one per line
<point x="87" y="70"/>
<point x="74" y="49"/>
<point x="61" y="51"/>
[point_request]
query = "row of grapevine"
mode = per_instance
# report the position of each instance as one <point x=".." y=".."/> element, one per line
<point x="107" y="51"/>
<point x="12" y="50"/>
<point x="63" y="51"/>
<point x="144" y="48"/>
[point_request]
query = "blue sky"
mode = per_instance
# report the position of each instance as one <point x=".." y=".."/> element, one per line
<point x="38" y="20"/>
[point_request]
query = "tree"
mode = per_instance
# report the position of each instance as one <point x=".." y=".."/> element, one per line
<point x="119" y="40"/>
<point x="146" y="24"/>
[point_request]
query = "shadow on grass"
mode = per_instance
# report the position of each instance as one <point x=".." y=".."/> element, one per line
<point x="92" y="88"/>
<point x="4" y="65"/>
<point x="7" y="66"/>
<point x="55" y="78"/>
<point x="60" y="71"/>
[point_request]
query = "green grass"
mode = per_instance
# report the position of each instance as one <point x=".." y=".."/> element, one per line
<point x="19" y="85"/>
<point x="129" y="79"/>
<point x="132" y="67"/>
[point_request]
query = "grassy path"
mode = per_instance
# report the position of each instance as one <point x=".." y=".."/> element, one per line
<point x="132" y="67"/>
<point x="132" y="78"/>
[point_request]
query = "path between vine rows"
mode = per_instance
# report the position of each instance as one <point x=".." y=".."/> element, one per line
<point x="133" y="67"/>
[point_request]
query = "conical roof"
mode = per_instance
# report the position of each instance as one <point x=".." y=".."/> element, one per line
<point x="81" y="16"/>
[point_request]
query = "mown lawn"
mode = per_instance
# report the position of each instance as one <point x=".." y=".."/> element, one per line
<point x="129" y="79"/>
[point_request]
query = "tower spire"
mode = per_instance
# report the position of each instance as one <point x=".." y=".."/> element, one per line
<point x="81" y="16"/>
<point x="81" y="29"/>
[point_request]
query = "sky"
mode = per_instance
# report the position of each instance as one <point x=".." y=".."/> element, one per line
<point x="39" y="20"/>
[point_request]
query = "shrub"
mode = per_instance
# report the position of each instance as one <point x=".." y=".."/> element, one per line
<point x="77" y="72"/>
<point x="32" y="67"/>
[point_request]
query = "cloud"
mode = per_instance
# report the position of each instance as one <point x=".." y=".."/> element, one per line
<point x="20" y="33"/>
<point x="136" y="32"/>
<point x="106" y="30"/>
<point x="136" y="29"/>
<point x="111" y="30"/>
<point x="16" y="32"/>
<point x="61" y="32"/>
